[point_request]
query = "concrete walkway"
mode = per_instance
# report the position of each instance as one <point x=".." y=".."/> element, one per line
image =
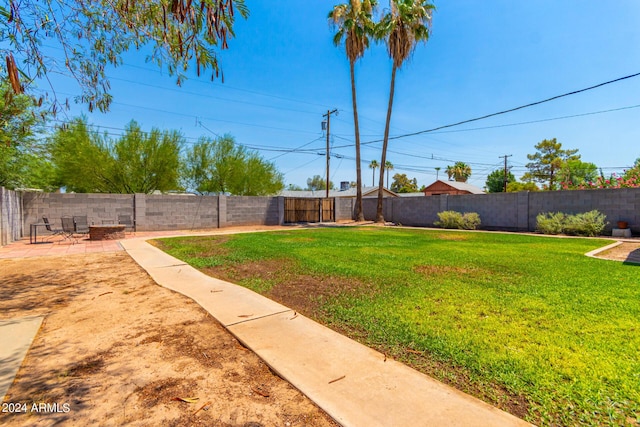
<point x="16" y="337"/>
<point x="351" y="382"/>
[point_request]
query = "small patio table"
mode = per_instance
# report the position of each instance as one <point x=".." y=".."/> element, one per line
<point x="33" y="232"/>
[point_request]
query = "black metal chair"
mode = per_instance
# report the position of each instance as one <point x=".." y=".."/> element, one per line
<point x="81" y="225"/>
<point x="68" y="228"/>
<point x="54" y="231"/>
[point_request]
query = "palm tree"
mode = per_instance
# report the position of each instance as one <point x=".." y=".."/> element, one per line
<point x="388" y="166"/>
<point x="354" y="24"/>
<point x="408" y="23"/>
<point x="373" y="165"/>
<point x="460" y="172"/>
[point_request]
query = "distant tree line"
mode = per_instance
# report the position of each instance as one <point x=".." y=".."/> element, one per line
<point x="77" y="158"/>
<point x="555" y="168"/>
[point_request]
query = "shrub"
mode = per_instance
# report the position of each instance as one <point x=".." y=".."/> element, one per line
<point x="550" y="223"/>
<point x="583" y="224"/>
<point x="588" y="224"/>
<point x="470" y="220"/>
<point x="453" y="219"/>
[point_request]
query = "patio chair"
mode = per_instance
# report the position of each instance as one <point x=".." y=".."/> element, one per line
<point x="80" y="225"/>
<point x="54" y="231"/>
<point x="68" y="228"/>
<point x="127" y="222"/>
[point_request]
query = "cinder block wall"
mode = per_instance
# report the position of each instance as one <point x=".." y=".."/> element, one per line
<point x="514" y="211"/>
<point x="414" y="211"/>
<point x="99" y="208"/>
<point x="176" y="212"/>
<point x="622" y="204"/>
<point x="505" y="211"/>
<point x="345" y="208"/>
<point x="248" y="210"/>
<point x="369" y="207"/>
<point x="496" y="210"/>
<point x="10" y="216"/>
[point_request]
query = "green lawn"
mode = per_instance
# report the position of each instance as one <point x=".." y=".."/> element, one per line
<point x="527" y="323"/>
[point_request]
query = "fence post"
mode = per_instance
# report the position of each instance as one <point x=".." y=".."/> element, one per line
<point x="139" y="211"/>
<point x="222" y="211"/>
<point x="444" y="202"/>
<point x="280" y="210"/>
<point x="522" y="206"/>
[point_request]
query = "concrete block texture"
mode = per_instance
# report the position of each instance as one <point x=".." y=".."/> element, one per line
<point x="500" y="211"/>
<point x="514" y="211"/>
<point x="11" y="227"/>
<point x="249" y="210"/>
<point x="178" y="212"/>
<point x="99" y="208"/>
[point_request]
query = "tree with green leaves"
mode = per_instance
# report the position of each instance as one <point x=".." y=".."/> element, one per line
<point x="138" y="162"/>
<point x="146" y="161"/>
<point x="374" y="165"/>
<point x="516" y="186"/>
<point x="403" y="184"/>
<point x="354" y="23"/>
<point x="633" y="174"/>
<point x="23" y="159"/>
<point x="220" y="166"/>
<point x="92" y="34"/>
<point x="574" y="173"/>
<point x="460" y="172"/>
<point x="81" y="159"/>
<point x="407" y="23"/>
<point x="318" y="183"/>
<point x="496" y="181"/>
<point x="547" y="162"/>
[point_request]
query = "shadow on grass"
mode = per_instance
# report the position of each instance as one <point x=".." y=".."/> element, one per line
<point x="633" y="258"/>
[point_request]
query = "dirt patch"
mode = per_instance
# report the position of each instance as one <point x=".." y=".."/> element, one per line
<point x="115" y="349"/>
<point x="627" y="251"/>
<point x="303" y="292"/>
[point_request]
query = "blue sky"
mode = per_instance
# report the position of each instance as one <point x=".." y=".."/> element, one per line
<point x="282" y="73"/>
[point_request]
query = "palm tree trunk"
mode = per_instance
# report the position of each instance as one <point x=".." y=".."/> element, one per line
<point x="359" y="214"/>
<point x="385" y="143"/>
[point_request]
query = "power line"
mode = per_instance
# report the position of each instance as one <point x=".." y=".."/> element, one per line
<point x="432" y="130"/>
<point x="175" y="113"/>
<point x="489" y="127"/>
<point x="203" y="95"/>
<point x="553" y="98"/>
<point x="296" y="150"/>
<point x="541" y="120"/>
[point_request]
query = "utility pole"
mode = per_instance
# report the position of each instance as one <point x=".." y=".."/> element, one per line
<point x="506" y="171"/>
<point x="328" y="116"/>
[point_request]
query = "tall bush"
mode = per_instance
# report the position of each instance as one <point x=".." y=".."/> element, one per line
<point x="456" y="220"/>
<point x="587" y="224"/>
<point x="550" y="222"/>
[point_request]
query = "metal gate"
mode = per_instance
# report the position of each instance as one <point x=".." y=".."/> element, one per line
<point x="298" y="209"/>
